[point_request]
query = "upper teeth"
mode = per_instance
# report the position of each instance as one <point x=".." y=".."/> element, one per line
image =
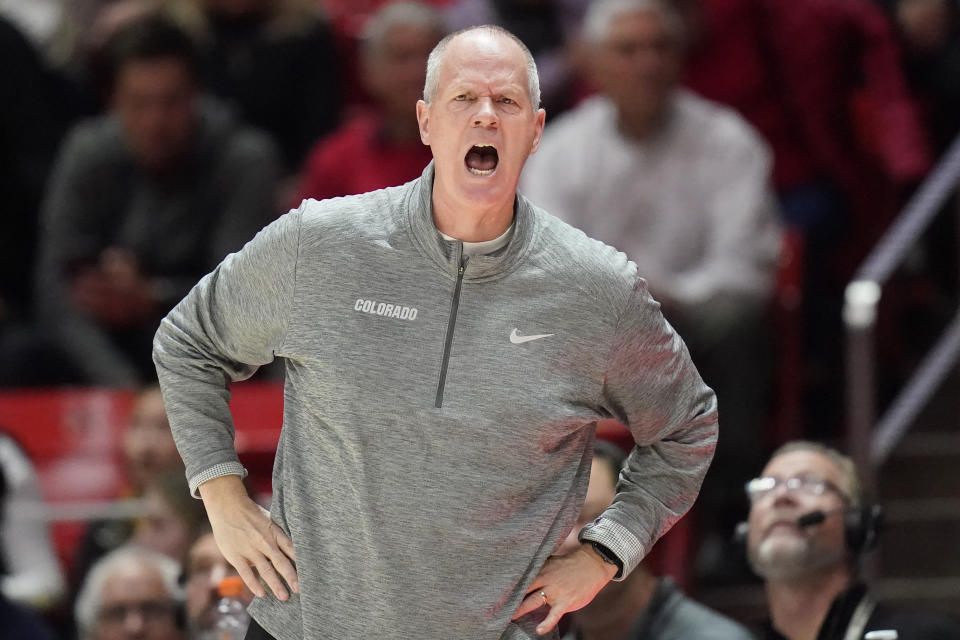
<point x="483" y="144"/>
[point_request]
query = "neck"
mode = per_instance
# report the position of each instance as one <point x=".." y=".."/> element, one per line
<point x="798" y="608"/>
<point x="613" y="613"/>
<point x="640" y="125"/>
<point x="470" y="222"/>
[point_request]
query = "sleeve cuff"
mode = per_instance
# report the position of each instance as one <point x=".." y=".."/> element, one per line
<point x="619" y="540"/>
<point x="222" y="469"/>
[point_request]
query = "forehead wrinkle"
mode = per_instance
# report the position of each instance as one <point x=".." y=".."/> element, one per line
<point x="479" y="55"/>
<point x="486" y="84"/>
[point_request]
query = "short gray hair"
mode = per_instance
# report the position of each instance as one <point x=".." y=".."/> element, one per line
<point x="601" y="15"/>
<point x="435" y="61"/>
<point x="844" y="463"/>
<point x="400" y="14"/>
<point x="87" y="607"/>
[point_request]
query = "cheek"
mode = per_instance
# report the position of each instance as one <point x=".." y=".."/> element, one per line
<point x="164" y="631"/>
<point x="197" y="597"/>
<point x="179" y="120"/>
<point x="835" y="533"/>
<point x="753" y="529"/>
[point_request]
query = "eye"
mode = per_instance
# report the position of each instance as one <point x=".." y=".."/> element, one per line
<point x="506" y="100"/>
<point x="460" y="98"/>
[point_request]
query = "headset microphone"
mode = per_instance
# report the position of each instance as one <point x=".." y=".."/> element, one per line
<point x="861" y="525"/>
<point x="815" y="517"/>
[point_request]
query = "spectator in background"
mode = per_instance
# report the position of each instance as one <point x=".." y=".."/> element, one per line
<point x="930" y="34"/>
<point x="381" y="147"/>
<point x="350" y="16"/>
<point x="682" y="186"/>
<point x="172" y="518"/>
<point x="33" y="575"/>
<point x="808" y="525"/>
<point x="148" y="446"/>
<point x="543" y="25"/>
<point x="142" y="203"/>
<point x="38" y="19"/>
<point x="131" y="593"/>
<point x="643" y="606"/>
<point x="32" y="124"/>
<point x="151" y="460"/>
<point x="276" y="62"/>
<point x="821" y="80"/>
<point x="929" y="31"/>
<point x="17" y="623"/>
<point x="756" y="56"/>
<point x="204" y="570"/>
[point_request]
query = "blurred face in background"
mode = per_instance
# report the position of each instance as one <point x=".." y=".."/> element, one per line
<point x="777" y="548"/>
<point x="395" y="69"/>
<point x="148" y="444"/>
<point x="925" y="24"/>
<point x="205" y="568"/>
<point x="162" y="528"/>
<point x="637" y="65"/>
<point x="155" y="101"/>
<point x="135" y="605"/>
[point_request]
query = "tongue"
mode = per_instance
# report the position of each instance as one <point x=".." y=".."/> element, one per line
<point x="482" y="159"/>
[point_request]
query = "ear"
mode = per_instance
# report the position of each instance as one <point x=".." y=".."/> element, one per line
<point x="541" y="119"/>
<point x="423" y="120"/>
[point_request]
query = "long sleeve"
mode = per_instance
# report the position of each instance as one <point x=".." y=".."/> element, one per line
<point x="653" y="388"/>
<point x="232" y="322"/>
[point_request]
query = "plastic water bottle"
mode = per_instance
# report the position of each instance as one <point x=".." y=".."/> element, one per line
<point x="232" y="617"/>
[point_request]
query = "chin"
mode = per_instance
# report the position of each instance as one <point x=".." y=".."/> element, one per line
<point x="495" y="184"/>
<point x="786" y="559"/>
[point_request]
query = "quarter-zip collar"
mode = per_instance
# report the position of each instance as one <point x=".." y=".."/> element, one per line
<point x="445" y="254"/>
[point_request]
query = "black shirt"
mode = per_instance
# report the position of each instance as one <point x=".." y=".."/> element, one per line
<point x="909" y="625"/>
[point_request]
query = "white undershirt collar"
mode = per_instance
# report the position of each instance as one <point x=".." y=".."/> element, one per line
<point x="486" y="247"/>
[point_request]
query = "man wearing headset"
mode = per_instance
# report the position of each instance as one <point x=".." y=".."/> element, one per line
<point x="808" y="526"/>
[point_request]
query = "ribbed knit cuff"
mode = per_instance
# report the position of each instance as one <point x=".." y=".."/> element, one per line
<point x="619" y="540"/>
<point x="216" y="471"/>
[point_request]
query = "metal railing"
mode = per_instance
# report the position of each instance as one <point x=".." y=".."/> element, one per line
<point x="870" y="441"/>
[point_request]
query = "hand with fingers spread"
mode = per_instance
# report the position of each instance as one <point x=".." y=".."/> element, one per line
<point x="256" y="546"/>
<point x="565" y="584"/>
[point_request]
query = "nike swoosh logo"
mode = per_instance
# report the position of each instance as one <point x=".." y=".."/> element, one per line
<point x="516" y="338"/>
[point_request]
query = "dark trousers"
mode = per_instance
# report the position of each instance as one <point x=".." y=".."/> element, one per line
<point x="256" y="632"/>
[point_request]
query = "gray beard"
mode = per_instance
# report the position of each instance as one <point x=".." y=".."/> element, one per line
<point x="800" y="558"/>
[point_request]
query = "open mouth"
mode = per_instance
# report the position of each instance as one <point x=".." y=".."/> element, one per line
<point x="482" y="159"/>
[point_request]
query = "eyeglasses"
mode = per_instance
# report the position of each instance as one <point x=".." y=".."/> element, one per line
<point x="759" y="488"/>
<point x="152" y="611"/>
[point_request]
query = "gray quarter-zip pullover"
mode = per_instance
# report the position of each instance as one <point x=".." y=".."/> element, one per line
<point x="439" y="411"/>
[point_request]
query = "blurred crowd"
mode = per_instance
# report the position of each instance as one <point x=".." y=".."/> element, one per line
<point x="143" y="140"/>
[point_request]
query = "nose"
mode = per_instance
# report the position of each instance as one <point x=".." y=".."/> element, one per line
<point x="781" y="494"/>
<point x="486" y="114"/>
<point x="134" y="623"/>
